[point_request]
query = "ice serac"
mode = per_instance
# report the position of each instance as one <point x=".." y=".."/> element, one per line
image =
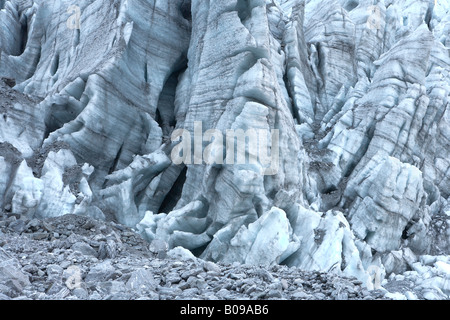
<point x="326" y="243"/>
<point x="330" y="33"/>
<point x="248" y="96"/>
<point x="354" y="94"/>
<point x="302" y="83"/>
<point x="267" y="241"/>
<point x="388" y="195"/>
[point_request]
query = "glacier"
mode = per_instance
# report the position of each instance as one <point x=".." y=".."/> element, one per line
<point x="358" y="91"/>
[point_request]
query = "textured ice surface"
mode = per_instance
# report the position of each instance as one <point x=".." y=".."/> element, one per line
<point x="90" y="95"/>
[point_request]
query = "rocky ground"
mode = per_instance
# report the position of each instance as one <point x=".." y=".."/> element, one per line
<point x="78" y="258"/>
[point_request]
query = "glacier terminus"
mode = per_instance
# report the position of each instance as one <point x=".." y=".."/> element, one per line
<point x="310" y="134"/>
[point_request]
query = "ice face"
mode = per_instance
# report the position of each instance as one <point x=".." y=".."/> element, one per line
<point x="357" y="91"/>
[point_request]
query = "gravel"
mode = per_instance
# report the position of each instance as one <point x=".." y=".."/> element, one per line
<point x="78" y="258"/>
